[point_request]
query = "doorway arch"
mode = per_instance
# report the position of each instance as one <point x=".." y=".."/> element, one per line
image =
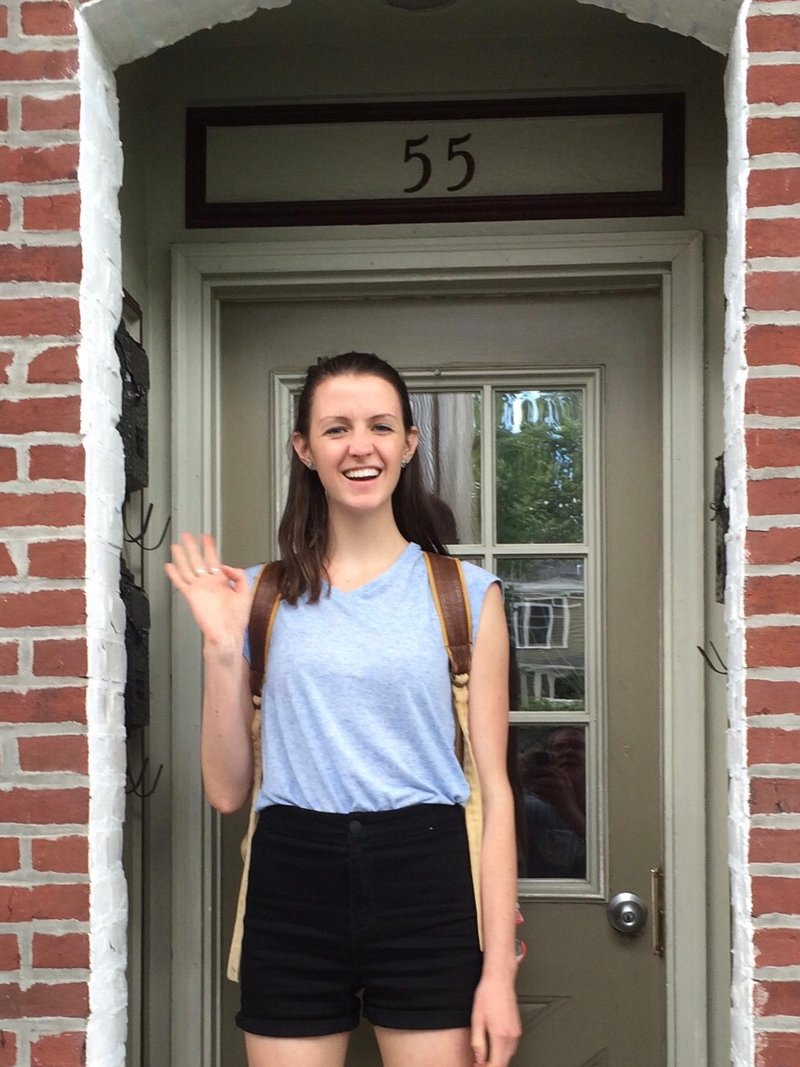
<point x="126" y="31"/>
<point x="114" y="32"/>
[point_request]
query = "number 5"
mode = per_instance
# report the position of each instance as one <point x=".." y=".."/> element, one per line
<point x="469" y="162"/>
<point x="424" y="160"/>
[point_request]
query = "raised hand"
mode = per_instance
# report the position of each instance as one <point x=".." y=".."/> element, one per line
<point x="218" y="595"/>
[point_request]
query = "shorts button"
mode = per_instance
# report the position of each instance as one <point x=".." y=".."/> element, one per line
<point x="355" y="827"/>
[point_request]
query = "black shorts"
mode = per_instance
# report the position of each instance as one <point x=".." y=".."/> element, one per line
<point x="371" y="908"/>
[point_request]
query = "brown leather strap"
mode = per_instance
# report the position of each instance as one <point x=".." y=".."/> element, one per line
<point x="263" y="610"/>
<point x="262" y="615"/>
<point x="452" y="604"/>
<point x="449" y="591"/>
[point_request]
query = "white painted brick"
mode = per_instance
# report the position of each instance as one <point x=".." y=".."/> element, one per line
<point x="735" y="375"/>
<point x="126" y="31"/>
<point x="108" y="902"/>
<point x="105" y="559"/>
<point x="104" y="516"/>
<point x="711" y="21"/>
<point x="100" y="176"/>
<point x="109" y="654"/>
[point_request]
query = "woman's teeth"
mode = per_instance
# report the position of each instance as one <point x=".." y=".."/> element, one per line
<point x="360" y="475"/>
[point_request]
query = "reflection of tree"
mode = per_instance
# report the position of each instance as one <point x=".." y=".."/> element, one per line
<point x="539" y="463"/>
<point x="543" y="704"/>
<point x="569" y="686"/>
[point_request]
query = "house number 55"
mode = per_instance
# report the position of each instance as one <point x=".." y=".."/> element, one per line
<point x="453" y="152"/>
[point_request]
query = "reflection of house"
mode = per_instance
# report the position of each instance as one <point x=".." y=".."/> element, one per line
<point x="547" y="619"/>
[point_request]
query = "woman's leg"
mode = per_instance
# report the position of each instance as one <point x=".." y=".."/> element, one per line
<point x="424" y="1048"/>
<point x="327" y="1051"/>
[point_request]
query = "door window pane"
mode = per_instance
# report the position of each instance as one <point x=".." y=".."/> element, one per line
<point x="548" y="774"/>
<point x="546" y="611"/>
<point x="449" y="452"/>
<point x="539" y="466"/>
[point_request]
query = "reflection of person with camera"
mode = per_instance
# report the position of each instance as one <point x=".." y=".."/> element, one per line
<point x="554" y="782"/>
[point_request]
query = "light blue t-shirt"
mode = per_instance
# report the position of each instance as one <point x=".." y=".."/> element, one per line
<point x="356" y="709"/>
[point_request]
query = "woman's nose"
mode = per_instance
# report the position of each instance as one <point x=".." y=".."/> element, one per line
<point x="360" y="443"/>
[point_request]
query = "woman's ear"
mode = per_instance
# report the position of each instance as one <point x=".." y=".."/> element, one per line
<point x="300" y="445"/>
<point x="412" y="440"/>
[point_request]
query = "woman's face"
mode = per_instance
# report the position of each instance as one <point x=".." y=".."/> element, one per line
<point x="356" y="440"/>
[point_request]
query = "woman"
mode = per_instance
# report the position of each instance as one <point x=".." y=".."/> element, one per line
<point x="360" y="890"/>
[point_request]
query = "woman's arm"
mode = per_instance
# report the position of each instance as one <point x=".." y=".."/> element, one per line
<point x="219" y="598"/>
<point x="495" y="1017"/>
<point x="226" y="750"/>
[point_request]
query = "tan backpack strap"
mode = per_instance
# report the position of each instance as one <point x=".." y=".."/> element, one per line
<point x="449" y="590"/>
<point x="263" y="610"/>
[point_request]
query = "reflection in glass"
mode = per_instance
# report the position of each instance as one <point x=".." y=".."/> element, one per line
<point x="539" y="463"/>
<point x="546" y="607"/>
<point x="477" y="560"/>
<point x="547" y="767"/>
<point x="450" y="452"/>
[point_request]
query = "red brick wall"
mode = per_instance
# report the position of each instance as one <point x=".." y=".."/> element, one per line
<point x="772" y="587"/>
<point x="44" y="890"/>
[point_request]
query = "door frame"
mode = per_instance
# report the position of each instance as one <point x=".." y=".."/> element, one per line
<point x="203" y="275"/>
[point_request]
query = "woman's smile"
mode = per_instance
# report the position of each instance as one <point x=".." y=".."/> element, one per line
<point x="362" y="474"/>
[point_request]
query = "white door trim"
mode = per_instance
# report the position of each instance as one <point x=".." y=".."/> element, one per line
<point x="203" y="275"/>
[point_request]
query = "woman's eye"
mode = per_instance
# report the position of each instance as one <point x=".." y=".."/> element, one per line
<point x="333" y="430"/>
<point x="381" y="427"/>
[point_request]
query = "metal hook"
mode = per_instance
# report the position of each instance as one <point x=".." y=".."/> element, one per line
<point x="138" y="539"/>
<point x="135" y="783"/>
<point x="723" y="666"/>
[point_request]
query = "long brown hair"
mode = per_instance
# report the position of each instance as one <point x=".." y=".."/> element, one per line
<point x="303" y="529"/>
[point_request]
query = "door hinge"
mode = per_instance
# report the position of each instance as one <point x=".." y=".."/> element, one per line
<point x="657" y="900"/>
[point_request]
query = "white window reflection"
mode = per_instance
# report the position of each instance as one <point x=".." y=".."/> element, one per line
<point x="542" y="623"/>
<point x="532" y="406"/>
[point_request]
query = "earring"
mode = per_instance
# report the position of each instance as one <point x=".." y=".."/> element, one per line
<point x="310" y="465"/>
<point x="405" y="461"/>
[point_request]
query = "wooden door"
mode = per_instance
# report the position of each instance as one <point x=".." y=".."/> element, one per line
<point x="551" y="401"/>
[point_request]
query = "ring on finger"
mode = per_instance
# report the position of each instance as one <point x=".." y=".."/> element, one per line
<point x="200" y="570"/>
<point x="213" y="570"/>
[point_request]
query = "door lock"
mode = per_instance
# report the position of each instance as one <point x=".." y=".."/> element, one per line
<point x="627" y="913"/>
